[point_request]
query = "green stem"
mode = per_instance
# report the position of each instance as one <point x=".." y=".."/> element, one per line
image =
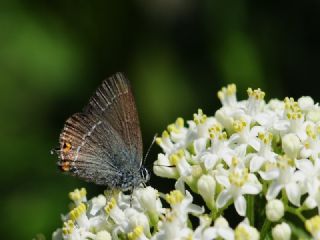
<point x="284" y="197"/>
<point x="265" y="228"/>
<point x="250" y="209"/>
<point x="297" y="212"/>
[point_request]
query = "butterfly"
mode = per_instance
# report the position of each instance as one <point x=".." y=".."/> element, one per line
<point x="103" y="143"/>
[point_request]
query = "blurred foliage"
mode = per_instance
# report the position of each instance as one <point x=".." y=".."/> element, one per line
<point x="177" y="54"/>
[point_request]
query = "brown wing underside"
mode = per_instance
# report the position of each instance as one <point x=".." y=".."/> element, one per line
<point x="105" y="132"/>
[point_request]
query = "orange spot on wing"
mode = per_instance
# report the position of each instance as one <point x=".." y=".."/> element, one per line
<point x="65" y="166"/>
<point x="66" y="147"/>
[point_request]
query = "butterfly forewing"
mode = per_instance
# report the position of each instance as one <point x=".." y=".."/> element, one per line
<point x="114" y="102"/>
<point x="103" y="143"/>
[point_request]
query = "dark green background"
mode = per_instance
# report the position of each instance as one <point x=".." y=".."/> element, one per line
<point x="177" y="54"/>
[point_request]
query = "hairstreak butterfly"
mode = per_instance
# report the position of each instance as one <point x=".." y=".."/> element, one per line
<point x="103" y="144"/>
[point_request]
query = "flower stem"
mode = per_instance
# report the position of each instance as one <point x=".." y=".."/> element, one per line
<point x="297" y="212"/>
<point x="250" y="209"/>
<point x="265" y="228"/>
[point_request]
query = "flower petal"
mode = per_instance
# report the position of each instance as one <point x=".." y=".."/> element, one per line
<point x="251" y="188"/>
<point x="270" y="175"/>
<point x="305" y="165"/>
<point x="209" y="160"/>
<point x="223" y="198"/>
<point x="256" y="163"/>
<point x="293" y="193"/>
<point x="226" y="233"/>
<point x="200" y="145"/>
<point x="210" y="233"/>
<point x="223" y="180"/>
<point x="273" y="190"/>
<point x="240" y="205"/>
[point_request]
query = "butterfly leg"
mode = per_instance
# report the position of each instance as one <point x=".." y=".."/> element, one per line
<point x="131" y="196"/>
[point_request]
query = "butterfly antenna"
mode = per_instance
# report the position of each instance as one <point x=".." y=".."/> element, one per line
<point x="153" y="141"/>
<point x="144" y="160"/>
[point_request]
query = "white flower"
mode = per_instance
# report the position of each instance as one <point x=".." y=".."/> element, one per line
<point x="314" y="114"/>
<point x="199" y="146"/>
<point x="174" y="225"/>
<point x="219" y="148"/>
<point x="206" y="188"/>
<point x="313" y="226"/>
<point x="311" y="173"/>
<point x="313" y="199"/>
<point x="246" y="232"/>
<point x="97" y="204"/>
<point x="182" y="204"/>
<point x="172" y="228"/>
<point x="272" y="117"/>
<point x="306" y="103"/>
<point x="179" y="160"/>
<point x="165" y="142"/>
<point x="220" y="229"/>
<point x="136" y="219"/>
<point x="178" y="132"/>
<point x="281" y="232"/>
<point x="265" y="153"/>
<point x="244" y="134"/>
<point x="274" y="210"/>
<point x="78" y="215"/>
<point x="311" y="145"/>
<point x="295" y="118"/>
<point x="72" y="232"/>
<point x="227" y="95"/>
<point x="163" y="168"/>
<point x="137" y="234"/>
<point x="284" y="176"/>
<point x="291" y="145"/>
<point x="255" y="102"/>
<point x="78" y="196"/>
<point x="116" y="219"/>
<point x="147" y="200"/>
<point x="237" y="183"/>
<point x="201" y="123"/>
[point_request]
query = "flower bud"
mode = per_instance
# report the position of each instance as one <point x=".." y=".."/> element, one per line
<point x="291" y="145"/>
<point x="309" y="203"/>
<point x="274" y="210"/>
<point x="314" y="115"/>
<point x="206" y="188"/>
<point x="281" y="232"/>
<point x="223" y="118"/>
<point x="305" y="103"/>
<point x="148" y="198"/>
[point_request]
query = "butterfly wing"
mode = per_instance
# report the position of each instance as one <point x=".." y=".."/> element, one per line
<point x="103" y="144"/>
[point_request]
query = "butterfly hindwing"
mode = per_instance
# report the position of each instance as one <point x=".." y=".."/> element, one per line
<point x="103" y="143"/>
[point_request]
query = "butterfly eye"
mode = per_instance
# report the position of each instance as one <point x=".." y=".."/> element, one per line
<point x="66" y="147"/>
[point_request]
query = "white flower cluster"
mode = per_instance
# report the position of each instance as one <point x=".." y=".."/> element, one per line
<point x="262" y="158"/>
<point x="250" y="150"/>
<point x="141" y="216"/>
